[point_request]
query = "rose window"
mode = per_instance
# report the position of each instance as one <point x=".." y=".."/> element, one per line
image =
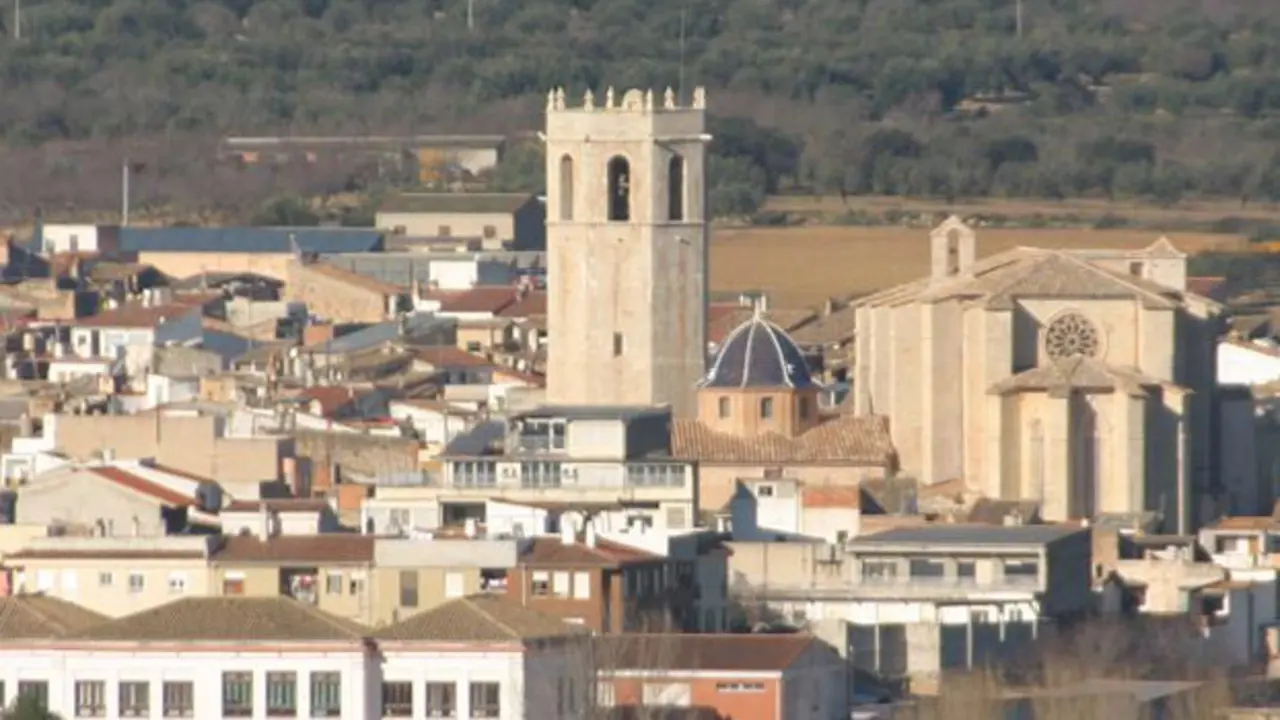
<point x="1071" y="335"/>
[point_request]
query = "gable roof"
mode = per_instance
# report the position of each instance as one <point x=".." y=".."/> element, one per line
<point x="228" y="619"/>
<point x="449" y="356"/>
<point x="549" y="550"/>
<point x="249" y="239"/>
<point x="138" y="484"/>
<point x="319" y="549"/>
<point x="33" y="617"/>
<point x="862" y="440"/>
<point x="352" y="278"/>
<point x="702" y="652"/>
<point x="478" y="618"/>
<point x="139" y="316"/>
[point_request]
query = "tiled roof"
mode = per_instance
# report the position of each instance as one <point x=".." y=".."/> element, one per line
<point x="448" y="203"/>
<point x="478" y="618"/>
<point x="318" y="549"/>
<point x="532" y="304"/>
<point x="33" y="617"/>
<point x="485" y="299"/>
<point x="354" y="279"/>
<point x="141" y="485"/>
<point x="758" y="354"/>
<point x="862" y="440"/>
<point x="551" y="551"/>
<point x="104" y="554"/>
<point x="138" y="316"/>
<point x="227" y="618"/>
<point x="702" y="652"/>
<point x="331" y="397"/>
<point x="831" y="497"/>
<point x="449" y="356"/>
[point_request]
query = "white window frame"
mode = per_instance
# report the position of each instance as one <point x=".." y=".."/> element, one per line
<point x="582" y="586"/>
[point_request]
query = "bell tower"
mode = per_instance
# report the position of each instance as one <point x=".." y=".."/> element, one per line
<point x="627" y="249"/>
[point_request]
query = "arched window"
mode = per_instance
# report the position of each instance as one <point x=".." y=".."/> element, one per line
<point x="675" y="188"/>
<point x="619" y="189"/>
<point x="566" y="188"/>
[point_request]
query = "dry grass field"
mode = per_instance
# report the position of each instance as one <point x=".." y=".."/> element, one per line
<point x="1187" y="211"/>
<point x="802" y="266"/>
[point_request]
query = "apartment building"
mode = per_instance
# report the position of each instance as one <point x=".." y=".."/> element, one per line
<point x="275" y="657"/>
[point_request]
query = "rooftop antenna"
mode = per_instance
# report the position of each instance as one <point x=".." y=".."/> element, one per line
<point x="17" y="19"/>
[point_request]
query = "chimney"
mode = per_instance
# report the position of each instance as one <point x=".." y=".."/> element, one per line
<point x="591" y="533"/>
<point x="568" y="535"/>
<point x="469" y="528"/>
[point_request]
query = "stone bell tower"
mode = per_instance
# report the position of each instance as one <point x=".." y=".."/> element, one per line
<point x="627" y="249"/>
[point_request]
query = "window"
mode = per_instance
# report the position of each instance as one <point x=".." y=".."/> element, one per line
<point x="237" y="694"/>
<point x="1021" y="571"/>
<point x="333" y="583"/>
<point x="177" y="583"/>
<point x="925" y="569"/>
<point x="326" y="694"/>
<point x="668" y="694"/>
<point x="282" y="694"/>
<point x="617" y="344"/>
<point x="766" y="408"/>
<point x="490" y="232"/>
<point x="541" y="584"/>
<point x="677" y="519"/>
<point x="484" y="700"/>
<point x="442" y="700"/>
<point x="726" y="407"/>
<point x="444" y="231"/>
<point x="739" y="687"/>
<point x="879" y="570"/>
<point x="1136" y="269"/>
<point x="179" y="699"/>
<point x="397" y="699"/>
<point x="137" y="583"/>
<point x="454" y="585"/>
<point x="966" y="571"/>
<point x="560" y="583"/>
<point x="540" y="473"/>
<point x="37" y="689"/>
<point x="619" y="173"/>
<point x="566" y="188"/>
<point x="105" y="579"/>
<point x="675" y="188"/>
<point x="135" y="699"/>
<point x="606" y="695"/>
<point x="409" y="588"/>
<point x="764" y="491"/>
<point x="233" y="586"/>
<point x="2" y="698"/>
<point x="91" y="699"/>
<point x="804" y="408"/>
<point x="582" y="586"/>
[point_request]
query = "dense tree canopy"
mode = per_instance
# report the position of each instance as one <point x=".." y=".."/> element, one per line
<point x="1154" y="99"/>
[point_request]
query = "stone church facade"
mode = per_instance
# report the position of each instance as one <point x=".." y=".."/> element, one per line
<point x="627" y="248"/>
<point x="1083" y="380"/>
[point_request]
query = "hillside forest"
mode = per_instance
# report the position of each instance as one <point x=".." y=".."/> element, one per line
<point x="1154" y="100"/>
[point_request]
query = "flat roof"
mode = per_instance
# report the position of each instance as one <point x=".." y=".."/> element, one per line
<point x="969" y="535"/>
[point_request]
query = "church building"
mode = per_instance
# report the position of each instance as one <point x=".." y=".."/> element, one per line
<point x="1082" y="380"/>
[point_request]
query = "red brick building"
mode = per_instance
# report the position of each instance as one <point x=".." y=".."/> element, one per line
<point x="732" y="677"/>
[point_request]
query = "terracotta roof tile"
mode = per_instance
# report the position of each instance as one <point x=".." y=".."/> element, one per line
<point x="551" y="551"/>
<point x="322" y="548"/>
<point x="1246" y="522"/>
<point x="478" y="618"/>
<point x="141" y="485"/>
<point x="861" y="440"/>
<point x="38" y="617"/>
<point x="488" y="300"/>
<point x="449" y="356"/>
<point x="331" y="398"/>
<point x="227" y="618"/>
<point x="104" y="554"/>
<point x="702" y="652"/>
<point x="139" y="316"/>
<point x="533" y="304"/>
<point x="277" y="505"/>
<point x="831" y="497"/>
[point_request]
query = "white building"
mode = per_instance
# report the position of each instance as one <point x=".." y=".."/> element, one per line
<point x="785" y="509"/>
<point x="269" y="657"/>
<point x="1243" y="362"/>
<point x="73" y="238"/>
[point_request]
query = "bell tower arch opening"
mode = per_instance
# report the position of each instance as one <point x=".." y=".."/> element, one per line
<point x="675" y="187"/>
<point x="619" y="174"/>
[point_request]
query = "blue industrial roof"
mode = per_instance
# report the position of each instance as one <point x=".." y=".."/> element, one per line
<point x="249" y="239"/>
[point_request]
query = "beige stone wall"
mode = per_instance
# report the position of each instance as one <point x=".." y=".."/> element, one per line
<point x="385" y="602"/>
<point x="182" y="264"/>
<point x="636" y="286"/>
<point x="79" y="581"/>
<point x="792" y="412"/>
<point x="332" y="298"/>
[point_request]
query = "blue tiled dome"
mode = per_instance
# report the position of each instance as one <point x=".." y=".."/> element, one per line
<point x="758" y="354"/>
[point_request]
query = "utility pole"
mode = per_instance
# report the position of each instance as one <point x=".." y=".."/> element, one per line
<point x="471" y="16"/>
<point x="1017" y="4"/>
<point x="124" y="193"/>
<point x="17" y="19"/>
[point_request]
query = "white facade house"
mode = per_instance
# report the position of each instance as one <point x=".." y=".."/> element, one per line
<point x="70" y="238"/>
<point x="199" y="658"/>
<point x="784" y="508"/>
<point x="435" y="422"/>
<point x="1241" y="362"/>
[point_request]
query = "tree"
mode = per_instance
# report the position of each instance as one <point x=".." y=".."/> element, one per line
<point x="29" y="707"/>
